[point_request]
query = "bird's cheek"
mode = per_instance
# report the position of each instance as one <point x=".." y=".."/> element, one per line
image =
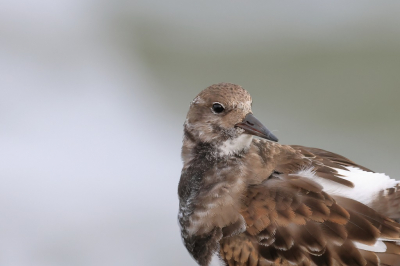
<point x="231" y="119"/>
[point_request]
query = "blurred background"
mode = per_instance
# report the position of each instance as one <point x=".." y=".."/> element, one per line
<point x="93" y="95"/>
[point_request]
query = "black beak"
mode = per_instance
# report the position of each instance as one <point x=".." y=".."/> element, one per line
<point x="254" y="127"/>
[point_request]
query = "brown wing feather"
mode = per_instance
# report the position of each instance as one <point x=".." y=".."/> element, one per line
<point x="325" y="156"/>
<point x="388" y="202"/>
<point x="371" y="258"/>
<point x="295" y="158"/>
<point x="291" y="221"/>
<point x="388" y="228"/>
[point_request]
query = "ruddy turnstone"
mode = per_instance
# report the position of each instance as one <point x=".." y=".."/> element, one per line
<point x="254" y="202"/>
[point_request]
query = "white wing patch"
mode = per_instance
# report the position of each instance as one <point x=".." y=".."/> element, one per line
<point x="379" y="246"/>
<point x="367" y="185"/>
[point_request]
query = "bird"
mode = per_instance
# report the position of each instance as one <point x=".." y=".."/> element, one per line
<point x="249" y="200"/>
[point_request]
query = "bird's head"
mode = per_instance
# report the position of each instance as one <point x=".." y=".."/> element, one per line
<point x="221" y="115"/>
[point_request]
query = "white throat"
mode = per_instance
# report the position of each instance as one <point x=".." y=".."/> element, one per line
<point x="234" y="146"/>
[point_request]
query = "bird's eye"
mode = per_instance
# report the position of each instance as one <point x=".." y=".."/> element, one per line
<point x="218" y="108"/>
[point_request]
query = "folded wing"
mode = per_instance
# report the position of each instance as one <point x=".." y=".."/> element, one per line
<point x="292" y="221"/>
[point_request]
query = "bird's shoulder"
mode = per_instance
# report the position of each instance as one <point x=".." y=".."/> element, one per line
<point x="288" y="159"/>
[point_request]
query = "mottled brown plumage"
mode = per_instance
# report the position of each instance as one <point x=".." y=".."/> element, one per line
<point x="255" y="202"/>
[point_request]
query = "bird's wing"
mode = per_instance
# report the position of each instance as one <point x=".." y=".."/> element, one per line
<point x="388" y="202"/>
<point x="378" y="191"/>
<point x="293" y="159"/>
<point x="328" y="158"/>
<point x="292" y="221"/>
<point x="324" y="164"/>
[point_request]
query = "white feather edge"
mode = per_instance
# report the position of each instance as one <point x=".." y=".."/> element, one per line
<point x="379" y="246"/>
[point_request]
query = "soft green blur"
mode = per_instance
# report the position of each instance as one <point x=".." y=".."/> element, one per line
<point x="321" y="75"/>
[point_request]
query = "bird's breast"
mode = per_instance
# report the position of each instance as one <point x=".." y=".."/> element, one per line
<point x="216" y="190"/>
<point x="218" y="201"/>
<point x="210" y="202"/>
